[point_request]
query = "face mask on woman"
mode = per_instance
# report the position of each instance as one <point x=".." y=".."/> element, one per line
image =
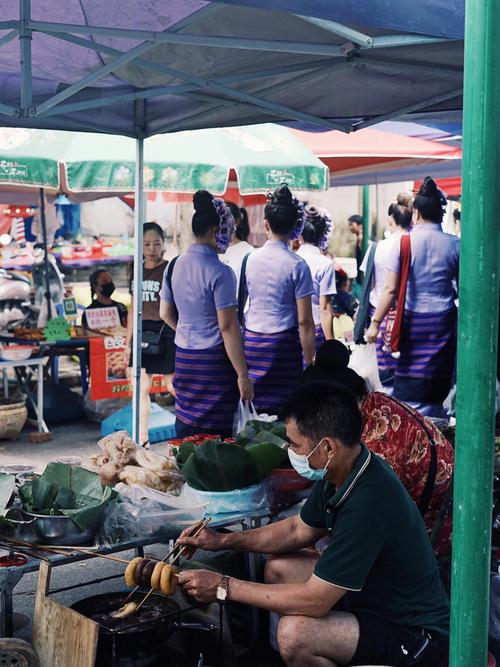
<point x="107" y="289"/>
<point x="301" y="464"/>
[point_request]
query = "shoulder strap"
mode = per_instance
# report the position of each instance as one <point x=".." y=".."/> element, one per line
<point x="168" y="280"/>
<point x="242" y="289"/>
<point x="362" y="316"/>
<point x="404" y="271"/>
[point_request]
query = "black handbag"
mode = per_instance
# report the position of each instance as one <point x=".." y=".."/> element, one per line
<point x="154" y="342"/>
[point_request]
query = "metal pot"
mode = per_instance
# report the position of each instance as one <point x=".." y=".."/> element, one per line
<point x="58" y="530"/>
<point x="144" y="633"/>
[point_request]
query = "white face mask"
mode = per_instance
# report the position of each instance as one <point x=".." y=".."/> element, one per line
<point x="301" y="464"/>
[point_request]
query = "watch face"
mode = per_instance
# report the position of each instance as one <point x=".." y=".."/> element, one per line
<point x="221" y="593"/>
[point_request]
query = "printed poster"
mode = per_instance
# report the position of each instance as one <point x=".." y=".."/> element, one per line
<point x="108" y="370"/>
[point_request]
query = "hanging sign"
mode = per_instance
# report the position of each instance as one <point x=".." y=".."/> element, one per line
<point x="109" y="370"/>
<point x="102" y="318"/>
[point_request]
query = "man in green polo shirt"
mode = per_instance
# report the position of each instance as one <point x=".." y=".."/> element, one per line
<point x="373" y="596"/>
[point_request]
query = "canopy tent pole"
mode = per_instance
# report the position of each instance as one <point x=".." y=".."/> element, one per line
<point x="366" y="217"/>
<point x="43" y="225"/>
<point x="139" y="214"/>
<point x="477" y="336"/>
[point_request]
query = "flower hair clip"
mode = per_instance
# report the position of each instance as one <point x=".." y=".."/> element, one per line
<point x="301" y="216"/>
<point x="330" y="226"/>
<point x="226" y="224"/>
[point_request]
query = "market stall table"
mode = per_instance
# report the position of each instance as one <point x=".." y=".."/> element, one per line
<point x="12" y="575"/>
<point x="38" y="404"/>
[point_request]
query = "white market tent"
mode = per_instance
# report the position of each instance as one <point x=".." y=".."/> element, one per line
<point x="138" y="69"/>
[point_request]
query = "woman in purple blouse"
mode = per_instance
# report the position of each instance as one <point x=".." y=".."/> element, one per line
<point x="199" y="302"/>
<point x="279" y="325"/>
<point x="425" y="369"/>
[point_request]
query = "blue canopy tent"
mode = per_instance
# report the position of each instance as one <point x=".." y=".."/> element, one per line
<point x="135" y="68"/>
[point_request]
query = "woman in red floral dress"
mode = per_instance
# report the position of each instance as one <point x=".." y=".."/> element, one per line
<point x="411" y="444"/>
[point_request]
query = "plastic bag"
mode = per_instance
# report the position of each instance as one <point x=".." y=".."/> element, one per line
<point x="241" y="501"/>
<point x="244" y="413"/>
<point x="144" y="512"/>
<point x="364" y="361"/>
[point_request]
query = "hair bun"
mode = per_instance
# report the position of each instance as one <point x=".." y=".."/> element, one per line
<point x="333" y="355"/>
<point x="312" y="213"/>
<point x="282" y="195"/>
<point x="428" y="188"/>
<point x="404" y="199"/>
<point x="202" y="201"/>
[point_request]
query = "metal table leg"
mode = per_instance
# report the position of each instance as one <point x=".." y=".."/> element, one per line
<point x="39" y="397"/>
<point x="7" y="584"/>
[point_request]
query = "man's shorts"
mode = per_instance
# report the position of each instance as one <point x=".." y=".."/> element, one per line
<point x="383" y="643"/>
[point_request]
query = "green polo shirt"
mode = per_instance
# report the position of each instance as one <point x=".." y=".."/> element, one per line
<point x="379" y="549"/>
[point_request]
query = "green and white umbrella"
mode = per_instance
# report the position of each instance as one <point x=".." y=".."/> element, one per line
<point x="29" y="159"/>
<point x="262" y="156"/>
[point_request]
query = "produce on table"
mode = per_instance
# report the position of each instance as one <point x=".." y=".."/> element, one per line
<point x="217" y="465"/>
<point x="122" y="461"/>
<point x="67" y="490"/>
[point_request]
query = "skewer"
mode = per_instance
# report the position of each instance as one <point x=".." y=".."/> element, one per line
<point x="197" y="530"/>
<point x="62" y="550"/>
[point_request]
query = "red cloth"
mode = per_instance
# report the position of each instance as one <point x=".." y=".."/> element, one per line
<point x="394" y="433"/>
<point x="405" y="261"/>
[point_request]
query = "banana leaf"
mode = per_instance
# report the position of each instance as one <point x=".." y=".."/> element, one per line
<point x="267" y="457"/>
<point x="184" y="452"/>
<point x="255" y="426"/>
<point x="69" y="490"/>
<point x="220" y="466"/>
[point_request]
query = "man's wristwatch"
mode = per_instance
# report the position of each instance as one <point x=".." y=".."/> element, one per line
<point x="222" y="593"/>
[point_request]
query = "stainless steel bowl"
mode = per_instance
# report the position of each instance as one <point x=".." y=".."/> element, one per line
<point x="58" y="530"/>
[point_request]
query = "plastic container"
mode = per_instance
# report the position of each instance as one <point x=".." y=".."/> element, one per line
<point x="167" y="524"/>
<point x="249" y="499"/>
<point x="161" y="423"/>
<point x="15" y="352"/>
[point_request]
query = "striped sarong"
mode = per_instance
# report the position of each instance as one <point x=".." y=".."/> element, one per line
<point x="319" y="336"/>
<point x="426" y="368"/>
<point x="386" y="362"/>
<point x="206" y="389"/>
<point x="275" y="366"/>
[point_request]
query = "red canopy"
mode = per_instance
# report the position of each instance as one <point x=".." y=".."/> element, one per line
<point x="452" y="187"/>
<point x="351" y="153"/>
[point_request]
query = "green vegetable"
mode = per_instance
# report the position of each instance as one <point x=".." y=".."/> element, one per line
<point x="69" y="490"/>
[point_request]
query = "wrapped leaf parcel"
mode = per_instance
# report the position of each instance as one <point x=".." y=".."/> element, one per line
<point x="216" y="465"/>
<point x="70" y="490"/>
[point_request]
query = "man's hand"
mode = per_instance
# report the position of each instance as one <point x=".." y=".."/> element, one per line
<point x="208" y="539"/>
<point x="200" y="584"/>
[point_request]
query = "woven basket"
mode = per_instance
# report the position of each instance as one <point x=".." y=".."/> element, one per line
<point x="12" y="419"/>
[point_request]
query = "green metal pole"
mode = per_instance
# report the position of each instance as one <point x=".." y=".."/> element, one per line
<point x="477" y="338"/>
<point x="366" y="217"/>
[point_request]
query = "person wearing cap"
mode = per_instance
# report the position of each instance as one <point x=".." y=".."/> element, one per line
<point x="374" y="596"/>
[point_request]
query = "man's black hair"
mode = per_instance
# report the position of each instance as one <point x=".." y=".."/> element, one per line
<point x="324" y="409"/>
<point x="358" y="219"/>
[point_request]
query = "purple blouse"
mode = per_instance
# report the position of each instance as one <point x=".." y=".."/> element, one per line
<point x="201" y="286"/>
<point x="276" y="278"/>
<point x="433" y="270"/>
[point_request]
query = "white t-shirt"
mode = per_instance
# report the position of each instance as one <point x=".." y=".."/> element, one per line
<point x="383" y="252"/>
<point x="234" y="256"/>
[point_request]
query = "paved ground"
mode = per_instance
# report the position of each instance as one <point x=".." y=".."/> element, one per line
<point x="69" y="439"/>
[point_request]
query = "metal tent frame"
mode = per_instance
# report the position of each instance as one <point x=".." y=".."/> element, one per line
<point x="257" y="91"/>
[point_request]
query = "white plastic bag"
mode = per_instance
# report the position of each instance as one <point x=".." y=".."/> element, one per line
<point x="244" y="413"/>
<point x="364" y="361"/>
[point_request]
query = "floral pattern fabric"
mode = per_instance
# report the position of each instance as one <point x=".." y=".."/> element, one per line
<point x="394" y="431"/>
